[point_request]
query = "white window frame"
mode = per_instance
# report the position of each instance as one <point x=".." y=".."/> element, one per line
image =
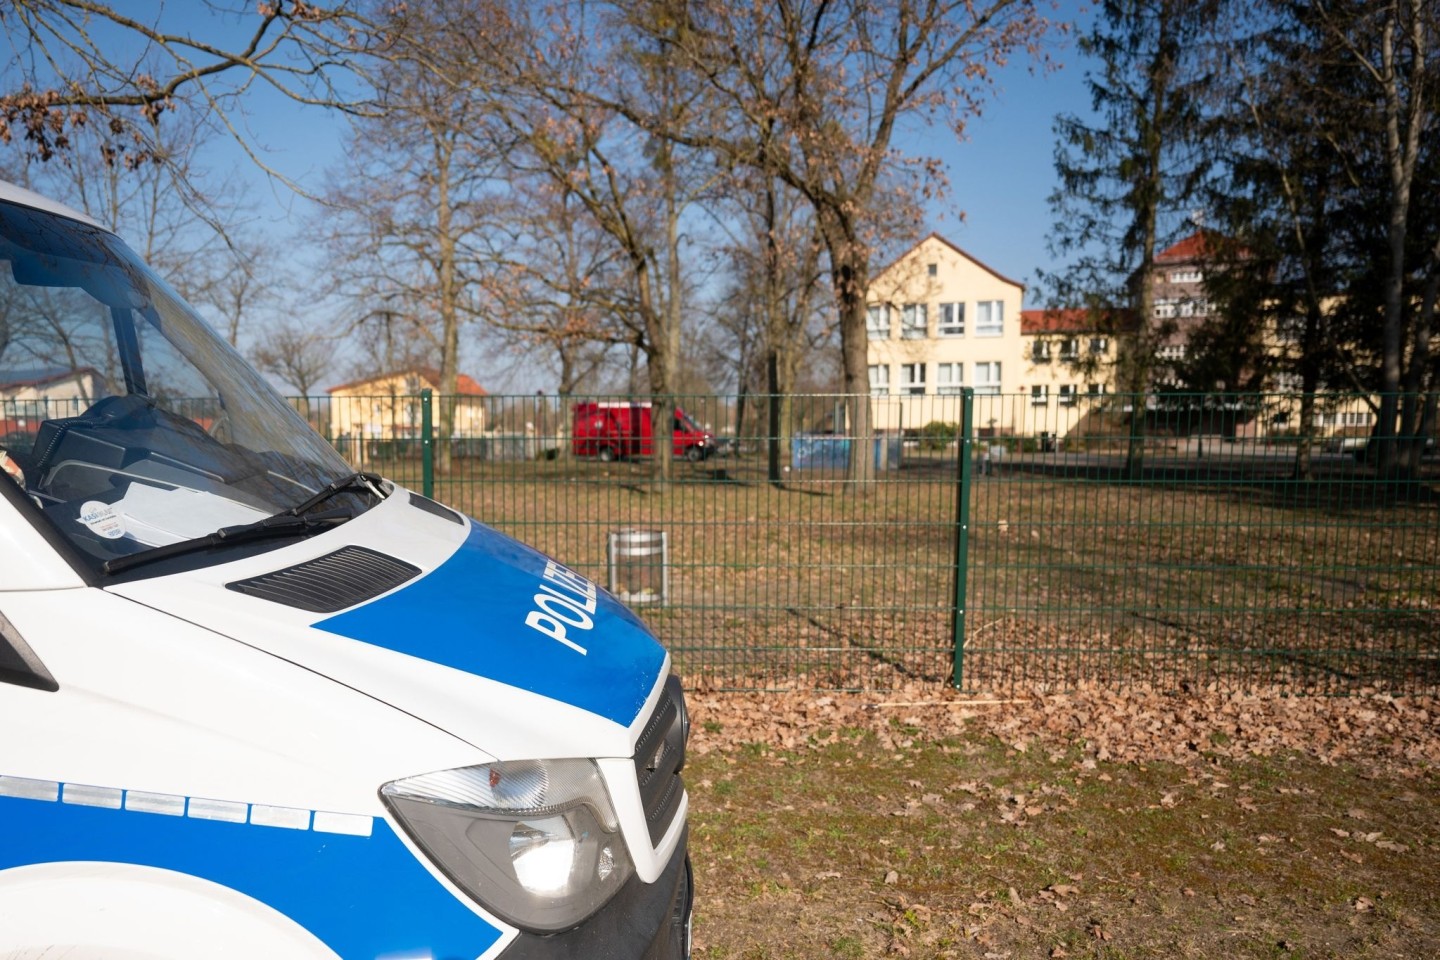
<point x="1095" y="389"/>
<point x="912" y="379"/>
<point x="879" y="379"/>
<point x="985" y="384"/>
<point x="1070" y="349"/>
<point x="1066" y="395"/>
<point x="1040" y="351"/>
<point x="952" y="319"/>
<point x="1039" y="395"/>
<point x="945" y="384"/>
<point x="990" y="318"/>
<point x="1099" y="344"/>
<point x="877" y="321"/>
<point x="914" y="321"/>
<point x="1189" y="275"/>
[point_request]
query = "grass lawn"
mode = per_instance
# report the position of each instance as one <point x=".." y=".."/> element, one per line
<point x="880" y="840"/>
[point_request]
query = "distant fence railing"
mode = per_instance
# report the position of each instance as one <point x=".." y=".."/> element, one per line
<point x="999" y="540"/>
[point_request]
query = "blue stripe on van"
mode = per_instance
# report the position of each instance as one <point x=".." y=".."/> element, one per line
<point x="361" y="896"/>
<point x="470" y="613"/>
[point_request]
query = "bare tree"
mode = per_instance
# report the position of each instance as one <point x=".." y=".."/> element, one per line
<point x="82" y="64"/>
<point x="405" y="214"/>
<point x="777" y="267"/>
<point x="1395" y="46"/>
<point x="298" y="354"/>
<point x="551" y="74"/>
<point x="811" y="92"/>
<point x="554" y="282"/>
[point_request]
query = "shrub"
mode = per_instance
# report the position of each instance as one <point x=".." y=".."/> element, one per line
<point x="937" y="435"/>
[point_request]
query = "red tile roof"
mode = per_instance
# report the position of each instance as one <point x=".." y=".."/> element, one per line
<point x="1192" y="248"/>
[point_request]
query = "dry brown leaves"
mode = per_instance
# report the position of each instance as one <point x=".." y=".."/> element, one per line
<point x="1131" y="725"/>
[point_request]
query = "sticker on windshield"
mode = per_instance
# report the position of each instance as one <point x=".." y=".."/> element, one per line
<point x="102" y="520"/>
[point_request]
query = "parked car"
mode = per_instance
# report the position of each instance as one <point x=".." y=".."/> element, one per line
<point x="256" y="704"/>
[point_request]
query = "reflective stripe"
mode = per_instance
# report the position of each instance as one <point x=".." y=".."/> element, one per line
<point x="362" y="895"/>
<point x="230" y="811"/>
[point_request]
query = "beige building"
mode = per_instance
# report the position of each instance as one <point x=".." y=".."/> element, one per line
<point x="1182" y="306"/>
<point x="29" y="397"/>
<point x="366" y="413"/>
<point x="940" y="320"/>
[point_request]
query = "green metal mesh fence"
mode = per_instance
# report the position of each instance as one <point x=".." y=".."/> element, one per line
<point x="999" y="540"/>
<point x="1023" y="540"/>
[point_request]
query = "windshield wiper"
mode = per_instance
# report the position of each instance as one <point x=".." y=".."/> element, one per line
<point x="280" y="525"/>
<point x="360" y="480"/>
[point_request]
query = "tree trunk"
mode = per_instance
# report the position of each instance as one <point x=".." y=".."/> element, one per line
<point x="780" y="381"/>
<point x="449" y="306"/>
<point x="851" y="283"/>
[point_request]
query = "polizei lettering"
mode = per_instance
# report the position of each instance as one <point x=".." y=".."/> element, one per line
<point x="564" y="603"/>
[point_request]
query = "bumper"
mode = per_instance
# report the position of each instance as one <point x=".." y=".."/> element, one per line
<point x="645" y="921"/>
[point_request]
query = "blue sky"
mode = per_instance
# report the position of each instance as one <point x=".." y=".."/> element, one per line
<point x="1000" y="176"/>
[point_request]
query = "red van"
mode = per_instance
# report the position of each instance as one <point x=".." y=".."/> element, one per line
<point x="613" y="430"/>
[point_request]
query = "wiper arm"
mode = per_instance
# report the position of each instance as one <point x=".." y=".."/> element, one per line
<point x="360" y="480"/>
<point x="280" y="525"/>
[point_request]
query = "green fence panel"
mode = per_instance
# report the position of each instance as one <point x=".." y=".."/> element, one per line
<point x="1171" y="540"/>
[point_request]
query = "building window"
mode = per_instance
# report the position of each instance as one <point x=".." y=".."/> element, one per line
<point x="1194" y="307"/>
<point x="1164" y="308"/>
<point x="1070" y="349"/>
<point x="1040" y="351"/>
<point x="1171" y="351"/>
<point x="1095" y="389"/>
<point x="1289" y="382"/>
<point x="989" y="318"/>
<point x="877" y="321"/>
<point x="1354" y="418"/>
<point x="933" y="269"/>
<point x="952" y="319"/>
<point x="914" y="321"/>
<point x="879" y="380"/>
<point x="987" y="378"/>
<point x="1099" y="344"/>
<point x="949" y="377"/>
<point x="1066" y="396"/>
<point x="912" y="378"/>
<point x="1039" y="395"/>
<point x="1191" y="275"/>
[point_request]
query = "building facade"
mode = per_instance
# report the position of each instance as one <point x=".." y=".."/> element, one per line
<point x="939" y="320"/>
<point x="378" y="416"/>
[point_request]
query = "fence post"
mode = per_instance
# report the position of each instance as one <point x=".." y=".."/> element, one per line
<point x="427" y="445"/>
<point x="962" y="529"/>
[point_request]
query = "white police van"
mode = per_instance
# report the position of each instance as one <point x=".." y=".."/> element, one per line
<point x="254" y="704"/>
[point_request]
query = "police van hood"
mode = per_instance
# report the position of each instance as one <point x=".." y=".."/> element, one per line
<point x="482" y="637"/>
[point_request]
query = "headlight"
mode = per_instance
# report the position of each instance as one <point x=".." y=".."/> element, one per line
<point x="534" y="841"/>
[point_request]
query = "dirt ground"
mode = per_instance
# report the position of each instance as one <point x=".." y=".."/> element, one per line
<point x="1096" y="824"/>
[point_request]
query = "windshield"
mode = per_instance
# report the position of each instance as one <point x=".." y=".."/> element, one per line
<point x="126" y="420"/>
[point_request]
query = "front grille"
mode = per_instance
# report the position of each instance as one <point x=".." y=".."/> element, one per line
<point x="659" y="758"/>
